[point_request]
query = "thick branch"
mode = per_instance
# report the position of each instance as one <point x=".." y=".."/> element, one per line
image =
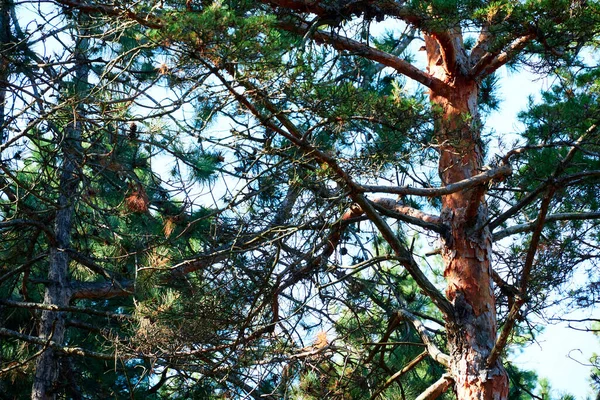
<point x="452" y="51"/>
<point x="101" y="290"/>
<point x="340" y="42"/>
<point x="434" y="391"/>
<point x="406" y="211"/>
<point x="482" y="45"/>
<point x="490" y="62"/>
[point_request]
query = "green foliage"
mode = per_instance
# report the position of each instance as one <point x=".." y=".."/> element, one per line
<point x="211" y="205"/>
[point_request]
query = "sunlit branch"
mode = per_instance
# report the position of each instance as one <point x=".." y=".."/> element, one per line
<point x="412" y="364"/>
<point x="523" y="228"/>
<point x="434" y="391"/>
<point x="482" y="45"/>
<point x="395" y="209"/>
<point x="340" y="42"/>
<point x="490" y="62"/>
<point x="451" y="50"/>
<point x="494" y="173"/>
<point x="432" y="349"/>
<point x="295" y="136"/>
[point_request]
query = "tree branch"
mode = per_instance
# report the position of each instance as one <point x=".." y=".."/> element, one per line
<point x="71" y="351"/>
<point x="41" y="226"/>
<point x="336" y="10"/>
<point x="148" y="20"/>
<point x="434" y="391"/>
<point x="395" y="209"/>
<point x="53" y="307"/>
<point x="495" y="173"/>
<point x="522" y="228"/>
<point x="101" y="290"/>
<point x="564" y="181"/>
<point x="22" y="267"/>
<point x="452" y="51"/>
<point x="295" y="135"/>
<point x="340" y="42"/>
<point x="490" y="62"/>
<point x="399" y="374"/>
<point x="432" y="349"/>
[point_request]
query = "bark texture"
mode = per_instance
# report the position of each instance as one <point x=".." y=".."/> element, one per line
<point x="58" y="290"/>
<point x="5" y="38"/>
<point x="468" y="248"/>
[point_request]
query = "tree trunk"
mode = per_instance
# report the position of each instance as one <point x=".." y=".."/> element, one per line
<point x="58" y="290"/>
<point x="468" y="249"/>
<point x="5" y="38"/>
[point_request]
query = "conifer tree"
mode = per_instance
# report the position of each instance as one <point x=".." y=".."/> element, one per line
<point x="358" y="210"/>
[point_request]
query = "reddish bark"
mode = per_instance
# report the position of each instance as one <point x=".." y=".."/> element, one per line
<point x="467" y="250"/>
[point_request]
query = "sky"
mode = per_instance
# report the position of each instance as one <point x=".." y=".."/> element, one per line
<point x="552" y="356"/>
<point x="549" y="357"/>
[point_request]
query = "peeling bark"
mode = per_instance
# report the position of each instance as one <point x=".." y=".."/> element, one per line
<point x="466" y="251"/>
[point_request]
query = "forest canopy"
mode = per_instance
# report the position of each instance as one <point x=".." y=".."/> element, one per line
<point x="292" y="198"/>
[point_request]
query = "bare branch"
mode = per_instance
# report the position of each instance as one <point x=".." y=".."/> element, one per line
<point x="399" y="374"/>
<point x="490" y="62"/>
<point x="522" y="228"/>
<point x="434" y="391"/>
<point x="71" y="351"/>
<point x="340" y="42"/>
<point x="53" y="307"/>
<point x="432" y="349"/>
<point x="101" y="290"/>
<point x="495" y="173"/>
<point x="405" y="211"/>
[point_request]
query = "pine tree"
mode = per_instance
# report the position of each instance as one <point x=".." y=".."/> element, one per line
<point x="348" y="164"/>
